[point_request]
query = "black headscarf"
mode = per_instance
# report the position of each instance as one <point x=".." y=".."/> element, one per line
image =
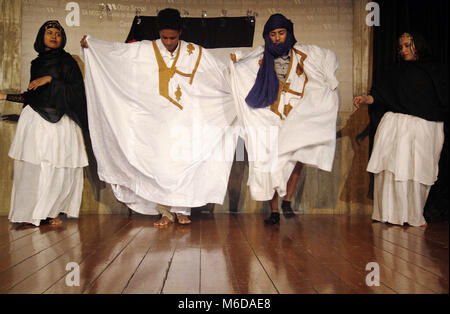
<point x="418" y="88"/>
<point x="65" y="94"/>
<point x="39" y="45"/>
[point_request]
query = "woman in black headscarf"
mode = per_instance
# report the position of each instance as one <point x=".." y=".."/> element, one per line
<point x="410" y="136"/>
<point x="48" y="148"/>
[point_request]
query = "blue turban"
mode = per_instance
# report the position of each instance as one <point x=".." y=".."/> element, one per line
<point x="265" y="90"/>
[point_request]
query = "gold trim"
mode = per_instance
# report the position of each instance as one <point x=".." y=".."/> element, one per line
<point x="196" y="64"/>
<point x="190" y="48"/>
<point x="166" y="73"/>
<point x="287" y="109"/>
<point x="299" y="70"/>
<point x="302" y="65"/>
<point x="285" y="87"/>
<point x="178" y="93"/>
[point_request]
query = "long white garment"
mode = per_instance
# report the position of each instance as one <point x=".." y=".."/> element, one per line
<point x="300" y="126"/>
<point x="407" y="146"/>
<point x="158" y="123"/>
<point x="405" y="160"/>
<point x="399" y="202"/>
<point x="48" y="168"/>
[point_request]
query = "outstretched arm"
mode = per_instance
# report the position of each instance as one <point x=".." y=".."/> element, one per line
<point x="362" y="100"/>
<point x="20" y="98"/>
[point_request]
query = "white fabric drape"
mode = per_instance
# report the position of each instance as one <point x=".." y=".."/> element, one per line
<point x="301" y="128"/>
<point x="149" y="149"/>
<point x="405" y="160"/>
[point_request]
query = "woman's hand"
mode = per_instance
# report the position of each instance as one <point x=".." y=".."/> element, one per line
<point x="83" y="42"/>
<point x="362" y="100"/>
<point x="233" y="57"/>
<point x="39" y="82"/>
<point x="2" y="96"/>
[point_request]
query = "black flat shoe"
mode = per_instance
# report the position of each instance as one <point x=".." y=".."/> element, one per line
<point x="273" y="219"/>
<point x="287" y="209"/>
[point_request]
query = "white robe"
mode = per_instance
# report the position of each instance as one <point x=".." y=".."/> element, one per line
<point x="405" y="162"/>
<point x="159" y="143"/>
<point x="301" y="128"/>
<point x="48" y="168"/>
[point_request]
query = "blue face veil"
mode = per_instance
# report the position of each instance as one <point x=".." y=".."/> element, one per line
<point x="265" y="90"/>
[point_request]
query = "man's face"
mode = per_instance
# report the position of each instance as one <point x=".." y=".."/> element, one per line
<point x="170" y="38"/>
<point x="278" y="35"/>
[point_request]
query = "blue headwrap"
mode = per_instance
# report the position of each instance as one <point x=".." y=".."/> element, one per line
<point x="265" y="91"/>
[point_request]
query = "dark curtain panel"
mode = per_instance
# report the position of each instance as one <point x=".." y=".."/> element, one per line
<point x="430" y="18"/>
<point x="217" y="32"/>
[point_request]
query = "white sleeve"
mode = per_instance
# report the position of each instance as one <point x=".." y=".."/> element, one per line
<point x="330" y="65"/>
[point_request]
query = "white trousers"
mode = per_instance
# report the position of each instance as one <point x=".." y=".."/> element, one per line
<point x="43" y="191"/>
<point x="399" y="202"/>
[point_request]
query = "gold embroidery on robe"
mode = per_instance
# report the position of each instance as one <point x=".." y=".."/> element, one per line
<point x="299" y="69"/>
<point x="166" y="74"/>
<point x="287" y="109"/>
<point x="286" y="86"/>
<point x="190" y="48"/>
<point x="301" y="63"/>
<point x="178" y="93"/>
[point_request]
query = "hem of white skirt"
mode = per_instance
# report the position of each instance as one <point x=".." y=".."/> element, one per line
<point x="401" y="179"/>
<point x="165" y="199"/>
<point x="399" y="222"/>
<point x="37" y="221"/>
<point x="34" y="162"/>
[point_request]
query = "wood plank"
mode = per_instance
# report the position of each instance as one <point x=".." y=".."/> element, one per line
<point x="280" y="268"/>
<point x="115" y="278"/>
<point x="92" y="239"/>
<point x="396" y="268"/>
<point x="11" y="233"/>
<point x="47" y="237"/>
<point x="391" y="259"/>
<point x="224" y="253"/>
<point x="184" y="271"/>
<point x="98" y="261"/>
<point x="150" y="276"/>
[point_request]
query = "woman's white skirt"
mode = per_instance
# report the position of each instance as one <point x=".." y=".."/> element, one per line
<point x="48" y="168"/>
<point x="405" y="162"/>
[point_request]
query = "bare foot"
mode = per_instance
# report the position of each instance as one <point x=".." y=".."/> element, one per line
<point x="26" y="225"/>
<point x="164" y="221"/>
<point x="424" y="225"/>
<point x="183" y="219"/>
<point x="55" y="222"/>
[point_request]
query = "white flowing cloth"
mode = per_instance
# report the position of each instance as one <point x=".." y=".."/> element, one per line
<point x="301" y="128"/>
<point x="158" y="124"/>
<point x="405" y="161"/>
<point x="48" y="168"/>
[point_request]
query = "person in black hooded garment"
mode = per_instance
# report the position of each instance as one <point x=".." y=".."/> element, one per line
<point x="410" y="136"/>
<point x="48" y="148"/>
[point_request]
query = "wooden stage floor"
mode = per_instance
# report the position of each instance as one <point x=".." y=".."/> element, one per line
<point x="224" y="254"/>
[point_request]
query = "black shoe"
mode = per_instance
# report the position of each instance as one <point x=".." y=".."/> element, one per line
<point x="273" y="219"/>
<point x="287" y="210"/>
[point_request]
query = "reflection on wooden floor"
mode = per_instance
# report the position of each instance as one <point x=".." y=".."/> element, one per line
<point x="224" y="253"/>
